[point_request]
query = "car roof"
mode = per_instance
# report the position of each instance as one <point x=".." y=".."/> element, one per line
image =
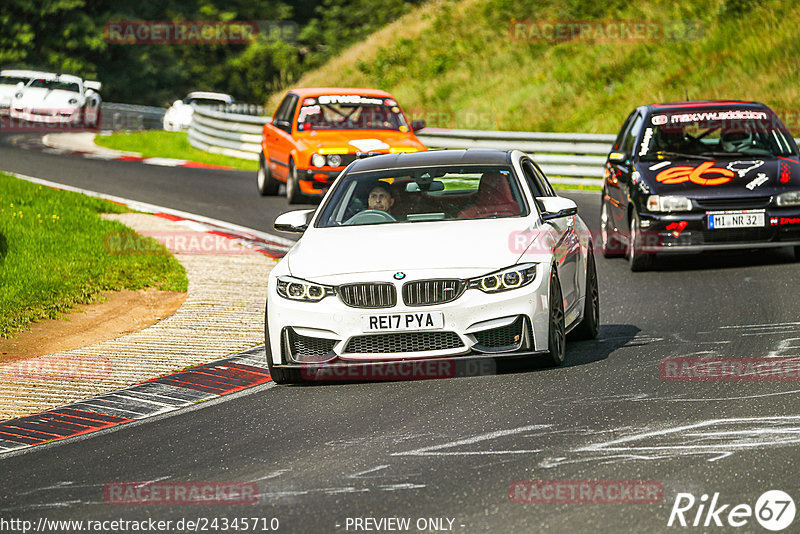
<point x="206" y="94"/>
<point x="469" y="156"/>
<point x="25" y="73"/>
<point x="317" y="91"/>
<point x="700" y="104"/>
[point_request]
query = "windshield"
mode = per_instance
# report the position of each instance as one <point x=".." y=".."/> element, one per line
<point x="12" y="80"/>
<point x="733" y="132"/>
<point x="205" y="101"/>
<point x="55" y="85"/>
<point x="424" y="194"/>
<point x="350" y="112"/>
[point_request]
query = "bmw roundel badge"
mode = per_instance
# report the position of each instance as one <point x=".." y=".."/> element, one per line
<point x="399" y="276"/>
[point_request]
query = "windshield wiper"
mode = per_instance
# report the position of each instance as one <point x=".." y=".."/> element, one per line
<point x="723" y="154"/>
<point x="678" y="155"/>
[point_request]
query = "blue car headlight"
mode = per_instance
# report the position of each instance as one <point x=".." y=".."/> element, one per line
<point x="505" y="279"/>
<point x="792" y="198"/>
<point x="297" y="289"/>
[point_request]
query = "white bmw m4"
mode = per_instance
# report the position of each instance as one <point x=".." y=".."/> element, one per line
<point x="427" y="261"/>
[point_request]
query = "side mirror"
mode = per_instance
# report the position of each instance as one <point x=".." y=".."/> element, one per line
<point x="93" y="85"/>
<point x="293" y="221"/>
<point x="417" y="125"/>
<point x="286" y="126"/>
<point x="177" y="103"/>
<point x="618" y="157"/>
<point x="556" y="208"/>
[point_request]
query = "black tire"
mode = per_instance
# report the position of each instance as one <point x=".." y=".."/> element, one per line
<point x="293" y="193"/>
<point x="589" y="326"/>
<point x="637" y="260"/>
<point x="267" y="184"/>
<point x="279" y="375"/>
<point x="556" y="334"/>
<point x="611" y="244"/>
<point x="797" y="253"/>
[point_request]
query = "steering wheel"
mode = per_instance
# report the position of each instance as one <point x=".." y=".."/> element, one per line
<point x="369" y="217"/>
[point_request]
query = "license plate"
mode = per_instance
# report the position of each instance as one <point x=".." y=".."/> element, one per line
<point x="722" y="220"/>
<point x="396" y="322"/>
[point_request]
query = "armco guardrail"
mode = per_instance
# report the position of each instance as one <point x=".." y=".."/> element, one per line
<point x="571" y="155"/>
<point x="565" y="157"/>
<point x="129" y="117"/>
<point x="232" y="134"/>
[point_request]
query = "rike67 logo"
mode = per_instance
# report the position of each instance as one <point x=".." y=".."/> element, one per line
<point x="774" y="510"/>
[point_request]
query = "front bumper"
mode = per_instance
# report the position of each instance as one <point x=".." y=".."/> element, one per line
<point x="477" y="364"/>
<point x="315" y="182"/>
<point x="681" y="233"/>
<point x="476" y="324"/>
<point x="56" y="117"/>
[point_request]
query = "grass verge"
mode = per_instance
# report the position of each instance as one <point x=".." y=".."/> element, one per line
<point x="53" y="254"/>
<point x="477" y="64"/>
<point x="161" y="144"/>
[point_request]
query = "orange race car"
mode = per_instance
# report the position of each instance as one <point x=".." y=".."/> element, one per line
<point x="317" y="132"/>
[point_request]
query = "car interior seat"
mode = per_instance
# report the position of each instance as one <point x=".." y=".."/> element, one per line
<point x="494" y="198"/>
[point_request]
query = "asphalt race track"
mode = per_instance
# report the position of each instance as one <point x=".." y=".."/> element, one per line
<point x="449" y="450"/>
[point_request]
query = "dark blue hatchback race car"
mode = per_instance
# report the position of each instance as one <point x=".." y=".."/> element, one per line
<point x="698" y="176"/>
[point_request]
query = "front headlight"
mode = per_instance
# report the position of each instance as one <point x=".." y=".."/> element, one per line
<point x="506" y="279"/>
<point x="318" y="160"/>
<point x="792" y="198"/>
<point x="296" y="289"/>
<point x="668" y="203"/>
<point x="334" y="160"/>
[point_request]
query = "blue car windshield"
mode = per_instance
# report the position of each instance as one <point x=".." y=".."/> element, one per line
<point x="715" y="132"/>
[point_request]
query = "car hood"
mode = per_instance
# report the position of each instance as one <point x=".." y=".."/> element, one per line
<point x="41" y="97"/>
<point x="483" y="245"/>
<point x="722" y="177"/>
<point x="352" y="141"/>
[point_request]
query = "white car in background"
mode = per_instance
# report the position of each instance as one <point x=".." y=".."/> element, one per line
<point x="57" y="99"/>
<point x="474" y="258"/>
<point x="11" y="82"/>
<point x="179" y="114"/>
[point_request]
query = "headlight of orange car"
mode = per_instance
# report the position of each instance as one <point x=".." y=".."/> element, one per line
<point x="319" y="160"/>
